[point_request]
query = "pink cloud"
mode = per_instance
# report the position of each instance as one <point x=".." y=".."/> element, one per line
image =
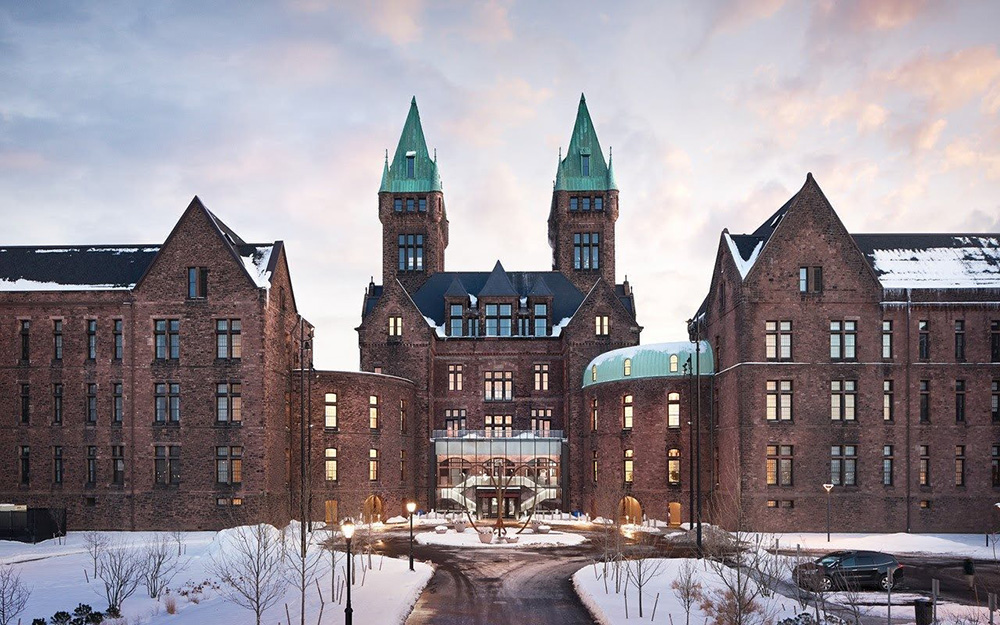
<point x="869" y="15"/>
<point x="948" y="81"/>
<point x="735" y="14"/>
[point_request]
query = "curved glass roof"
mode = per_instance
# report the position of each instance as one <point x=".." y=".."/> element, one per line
<point x="658" y="360"/>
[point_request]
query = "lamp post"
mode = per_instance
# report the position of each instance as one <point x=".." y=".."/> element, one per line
<point x="348" y="529"/>
<point x="411" y="507"/>
<point x="828" y="488"/>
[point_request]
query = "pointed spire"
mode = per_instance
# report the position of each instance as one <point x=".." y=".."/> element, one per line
<point x="612" y="183"/>
<point x="540" y="288"/>
<point x="498" y="284"/>
<point x="412" y="169"/>
<point x="385" y="174"/>
<point x="456" y="289"/>
<point x="584" y="168"/>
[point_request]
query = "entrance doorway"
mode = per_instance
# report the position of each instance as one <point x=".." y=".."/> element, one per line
<point x="371" y="511"/>
<point x="331" y="515"/>
<point x="629" y="510"/>
<point x="674" y="513"/>
<point x="489" y="505"/>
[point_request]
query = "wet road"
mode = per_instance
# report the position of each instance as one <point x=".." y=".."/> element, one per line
<point x="499" y="586"/>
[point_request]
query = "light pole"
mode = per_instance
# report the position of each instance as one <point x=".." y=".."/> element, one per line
<point x="411" y="507"/>
<point x="348" y="529"/>
<point x="828" y="488"/>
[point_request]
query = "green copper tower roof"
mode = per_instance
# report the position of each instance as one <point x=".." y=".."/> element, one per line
<point x="412" y="170"/>
<point x="584" y="168"/>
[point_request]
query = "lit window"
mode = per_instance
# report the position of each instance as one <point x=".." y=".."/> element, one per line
<point x="500" y="425"/>
<point x="454" y="377"/>
<point x="228" y="402"/>
<point x="779" y="465"/>
<point x="330" y="411"/>
<point x="779" y="400"/>
<point x="674" y="466"/>
<point x="673" y="363"/>
<point x="373" y="412"/>
<point x="373" y="464"/>
<point x="629" y="466"/>
<point x="778" y="340"/>
<point x="330" y="464"/>
<point x="843" y="399"/>
<point x="228" y="465"/>
<point x="498" y="385"/>
<point x="888" y="403"/>
<point x="601" y="325"/>
<point x="673" y="410"/>
<point x="628" y="366"/>
<point x="541" y="377"/>
<point x="924" y="475"/>
<point x="395" y="325"/>
<point x="627" y="412"/>
<point x="887" y="340"/>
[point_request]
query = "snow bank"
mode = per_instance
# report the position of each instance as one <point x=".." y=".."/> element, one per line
<point x="958" y="545"/>
<point x="470" y="538"/>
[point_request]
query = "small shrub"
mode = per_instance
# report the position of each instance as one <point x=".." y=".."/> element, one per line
<point x="170" y="604"/>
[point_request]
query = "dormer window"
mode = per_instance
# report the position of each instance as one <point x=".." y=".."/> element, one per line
<point x="411" y="158"/>
<point x="455" y="319"/>
<point x="541" y="320"/>
<point x="585" y="164"/>
<point x="499" y="318"/>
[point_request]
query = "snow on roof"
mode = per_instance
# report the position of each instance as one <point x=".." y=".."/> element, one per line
<point x="966" y="262"/>
<point x="743" y="264"/>
<point x="256" y="260"/>
<point x="68" y="268"/>
<point x="34" y="285"/>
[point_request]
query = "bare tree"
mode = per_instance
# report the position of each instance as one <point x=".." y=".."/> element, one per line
<point x="330" y="544"/>
<point x="640" y="568"/>
<point x="301" y="562"/>
<point x="13" y="595"/>
<point x="160" y="565"/>
<point x="178" y="537"/>
<point x="608" y="498"/>
<point x="250" y="565"/>
<point x="687" y="587"/>
<point x="120" y="567"/>
<point x="96" y="544"/>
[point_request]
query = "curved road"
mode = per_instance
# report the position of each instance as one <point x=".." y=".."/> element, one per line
<point x="498" y="586"/>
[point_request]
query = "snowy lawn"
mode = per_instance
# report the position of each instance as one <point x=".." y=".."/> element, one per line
<point x="384" y="593"/>
<point x="608" y="608"/>
<point x="958" y="545"/>
<point x="470" y="538"/>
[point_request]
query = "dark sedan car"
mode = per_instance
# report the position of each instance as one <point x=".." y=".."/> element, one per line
<point x="849" y="570"/>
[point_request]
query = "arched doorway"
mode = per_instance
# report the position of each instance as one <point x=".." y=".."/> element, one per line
<point x="674" y="511"/>
<point x="629" y="510"/>
<point x="371" y="510"/>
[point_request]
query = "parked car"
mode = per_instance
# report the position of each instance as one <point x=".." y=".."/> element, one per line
<point x="849" y="569"/>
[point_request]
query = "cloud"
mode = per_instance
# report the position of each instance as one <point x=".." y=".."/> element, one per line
<point x="732" y="15"/>
<point x="399" y="20"/>
<point x="487" y="114"/>
<point x="964" y="153"/>
<point x="488" y="22"/>
<point x="948" y="81"/>
<point x="871" y="15"/>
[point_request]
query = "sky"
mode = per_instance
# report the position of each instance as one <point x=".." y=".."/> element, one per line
<point x="113" y="115"/>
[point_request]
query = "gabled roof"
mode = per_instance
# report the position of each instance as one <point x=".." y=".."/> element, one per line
<point x="540" y="289"/>
<point x="583" y="142"/>
<point x="395" y="177"/>
<point x="497" y="284"/>
<point x="456" y="289"/>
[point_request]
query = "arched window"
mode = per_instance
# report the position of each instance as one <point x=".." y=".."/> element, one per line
<point x="674" y="466"/>
<point x="673" y="410"/>
<point x="593" y="373"/>
<point x="628" y="366"/>
<point x="673" y="363"/>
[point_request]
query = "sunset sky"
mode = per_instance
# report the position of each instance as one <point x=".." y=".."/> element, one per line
<point x="113" y="115"/>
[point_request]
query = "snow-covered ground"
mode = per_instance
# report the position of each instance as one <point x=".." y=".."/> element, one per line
<point x="959" y="545"/>
<point x="384" y="593"/>
<point x="470" y="538"/>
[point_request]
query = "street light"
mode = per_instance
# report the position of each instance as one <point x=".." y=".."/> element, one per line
<point x="828" y="488"/>
<point x="348" y="529"/>
<point x="411" y="507"/>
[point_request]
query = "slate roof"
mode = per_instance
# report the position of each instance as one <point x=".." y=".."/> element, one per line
<point x="66" y="268"/>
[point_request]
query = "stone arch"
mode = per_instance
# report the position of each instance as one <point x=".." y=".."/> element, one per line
<point x="372" y="509"/>
<point x="629" y="510"/>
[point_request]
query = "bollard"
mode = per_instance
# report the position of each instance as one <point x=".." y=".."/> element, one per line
<point x="923" y="611"/>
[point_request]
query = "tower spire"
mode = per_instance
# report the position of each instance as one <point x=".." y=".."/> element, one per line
<point x="412" y="170"/>
<point x="584" y="168"/>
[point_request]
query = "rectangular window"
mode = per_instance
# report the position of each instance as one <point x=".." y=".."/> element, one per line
<point x="959" y="401"/>
<point x="627" y="412"/>
<point x="373" y="422"/>
<point x="118" y="464"/>
<point x="330" y="411"/>
<point x="91" y="339"/>
<point x="228" y="402"/>
<point x="925" y="401"/>
<point x="674" y="466"/>
<point x="541" y="377"/>
<point x="843" y="338"/>
<point x="117" y="408"/>
<point x="924" y="475"/>
<point x="924" y="341"/>
<point x="888" y="405"/>
<point x="454" y="422"/>
<point x="116" y="330"/>
<point x="373" y="465"/>
<point x="197" y="282"/>
<point x="228" y="465"/>
<point x="499" y="319"/>
<point x="593" y="415"/>
<point x="422" y="205"/>
<point x="395" y="325"/>
<point x="91" y="465"/>
<point x="959" y="465"/>
<point x="574" y="203"/>
<point x="598" y="203"/>
<point x="541" y="421"/>
<point x="25" y="341"/>
<point x="585" y="203"/>
<point x="57" y="403"/>
<point x="228" y="338"/>
<point x="167" y="465"/>
<point x="57" y="339"/>
<point x="995" y="466"/>
<point x="779" y="400"/>
<point x="586" y="250"/>
<point x="887" y="461"/>
<point x="778" y="340"/>
<point x="960" y="340"/>
<point x="498" y="385"/>
<point x="585" y="164"/>
<point x="402" y="465"/>
<point x="402" y="415"/>
<point x="167" y="334"/>
<point x="593" y="466"/>
<point x="397" y="205"/>
<point x="779" y="465"/>
<point x="454" y="377"/>
<point x="844" y="465"/>
<point x="601" y="325"/>
<point x="887" y="340"/>
<point x="995" y="340"/>
<point x="541" y="320"/>
<point x="57" y="465"/>
<point x="330" y="464"/>
<point x="629" y="465"/>
<point x="455" y="320"/>
<point x="410" y="163"/>
<point x="843" y="399"/>
<point x="411" y="252"/>
<point x="500" y="426"/>
<point x="810" y="279"/>
<point x="91" y="403"/>
<point x="674" y="410"/>
<point x="167" y="397"/>
<point x="995" y="401"/>
<point x="25" y="464"/>
<point x="25" y="404"/>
